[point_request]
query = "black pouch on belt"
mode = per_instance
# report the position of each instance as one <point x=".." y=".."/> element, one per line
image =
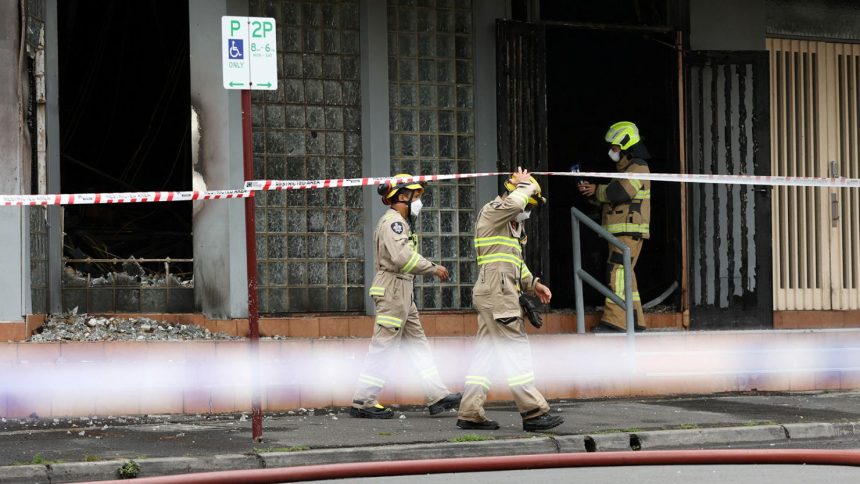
<point x="530" y="310"/>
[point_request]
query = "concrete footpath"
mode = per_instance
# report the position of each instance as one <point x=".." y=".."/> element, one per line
<point x="72" y="450"/>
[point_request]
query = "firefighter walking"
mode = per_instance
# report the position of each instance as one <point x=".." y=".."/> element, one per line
<point x="626" y="213"/>
<point x="501" y="339"/>
<point x="397" y="323"/>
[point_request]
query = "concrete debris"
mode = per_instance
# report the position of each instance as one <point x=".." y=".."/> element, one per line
<point x="82" y="327"/>
<point x="133" y="275"/>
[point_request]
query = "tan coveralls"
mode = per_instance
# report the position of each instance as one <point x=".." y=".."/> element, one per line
<point x="501" y="337"/>
<point x="397" y="262"/>
<point x="626" y="207"/>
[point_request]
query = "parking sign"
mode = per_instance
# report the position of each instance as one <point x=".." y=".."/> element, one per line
<point x="249" y="53"/>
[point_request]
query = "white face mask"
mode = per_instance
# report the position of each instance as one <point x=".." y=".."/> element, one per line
<point x="415" y="207"/>
<point x="522" y="217"/>
<point x="614" y="155"/>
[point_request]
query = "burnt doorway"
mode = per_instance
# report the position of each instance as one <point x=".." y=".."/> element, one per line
<point x="596" y="77"/>
<point x="125" y="125"/>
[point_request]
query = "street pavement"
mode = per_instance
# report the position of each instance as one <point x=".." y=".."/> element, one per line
<point x="70" y="450"/>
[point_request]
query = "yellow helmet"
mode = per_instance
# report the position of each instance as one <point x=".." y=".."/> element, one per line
<point x="535" y="200"/>
<point x="388" y="191"/>
<point x="624" y="134"/>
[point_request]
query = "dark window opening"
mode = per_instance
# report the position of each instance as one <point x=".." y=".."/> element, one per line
<point x="125" y="126"/>
<point x="596" y="78"/>
<point x="616" y="12"/>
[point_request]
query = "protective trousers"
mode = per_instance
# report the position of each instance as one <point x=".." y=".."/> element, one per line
<point x="381" y="357"/>
<point x="507" y="346"/>
<point x="613" y="313"/>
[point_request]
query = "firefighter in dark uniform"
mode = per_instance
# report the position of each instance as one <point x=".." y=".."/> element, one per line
<point x="397" y="324"/>
<point x="626" y="212"/>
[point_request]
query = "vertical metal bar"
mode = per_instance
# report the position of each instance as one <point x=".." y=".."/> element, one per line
<point x="577" y="280"/>
<point x="251" y="261"/>
<point x="682" y="168"/>
<point x="628" y="308"/>
<point x="628" y="291"/>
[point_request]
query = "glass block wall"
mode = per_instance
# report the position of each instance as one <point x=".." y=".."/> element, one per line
<point x="431" y="97"/>
<point x="310" y="246"/>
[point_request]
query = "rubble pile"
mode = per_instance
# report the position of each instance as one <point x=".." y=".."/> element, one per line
<point x="82" y="327"/>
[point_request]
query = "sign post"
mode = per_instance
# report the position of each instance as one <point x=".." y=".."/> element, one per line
<point x="249" y="60"/>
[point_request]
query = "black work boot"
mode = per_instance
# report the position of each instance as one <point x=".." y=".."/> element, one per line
<point x="450" y="401"/>
<point x="604" y="327"/>
<point x="485" y="425"/>
<point x="544" y="422"/>
<point x="376" y="411"/>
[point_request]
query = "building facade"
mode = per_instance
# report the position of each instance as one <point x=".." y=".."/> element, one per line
<point x="375" y="88"/>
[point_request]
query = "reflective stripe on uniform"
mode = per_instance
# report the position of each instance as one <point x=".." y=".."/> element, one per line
<point x="601" y="193"/>
<point x="526" y="273"/>
<point x="413" y="261"/>
<point x="478" y="380"/>
<point x="498" y="240"/>
<point x="509" y="258"/>
<point x="636" y="184"/>
<point x="520" y="197"/>
<point x="619" y="284"/>
<point x="377" y="291"/>
<point x="429" y="373"/>
<point x="371" y="380"/>
<point x="625" y="228"/>
<point x="642" y="195"/>
<point x="488" y="258"/>
<point x="523" y="379"/>
<point x="391" y="321"/>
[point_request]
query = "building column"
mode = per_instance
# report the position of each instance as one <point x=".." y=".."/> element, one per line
<point x="374" y="121"/>
<point x="220" y="274"/>
<point x="486" y="137"/>
<point x="14" y="161"/>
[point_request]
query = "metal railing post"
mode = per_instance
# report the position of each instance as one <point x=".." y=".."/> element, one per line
<point x="577" y="280"/>
<point x="577" y="217"/>
<point x="628" y="291"/>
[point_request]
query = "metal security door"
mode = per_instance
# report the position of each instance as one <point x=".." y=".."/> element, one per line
<point x="729" y="225"/>
<point x="521" y="120"/>
<point x="814" y="121"/>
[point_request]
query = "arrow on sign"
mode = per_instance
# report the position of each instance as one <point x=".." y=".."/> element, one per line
<point x="265" y="84"/>
<point x="234" y="84"/>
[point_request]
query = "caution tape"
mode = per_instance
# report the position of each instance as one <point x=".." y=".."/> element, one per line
<point x="354" y="182"/>
<point x="123" y="197"/>
<point x="773" y="181"/>
<point x="252" y="186"/>
<point x="789" y="181"/>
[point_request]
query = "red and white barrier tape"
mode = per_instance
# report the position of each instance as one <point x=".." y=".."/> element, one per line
<point x="124" y="197"/>
<point x="789" y="181"/>
<point x="261" y="185"/>
<point x="353" y="182"/>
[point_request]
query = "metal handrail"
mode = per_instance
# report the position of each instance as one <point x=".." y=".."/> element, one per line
<point x="579" y="275"/>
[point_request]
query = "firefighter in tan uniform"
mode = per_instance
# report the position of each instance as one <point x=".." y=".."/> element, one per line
<point x="397" y="323"/>
<point x="626" y="211"/>
<point x="501" y="339"/>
